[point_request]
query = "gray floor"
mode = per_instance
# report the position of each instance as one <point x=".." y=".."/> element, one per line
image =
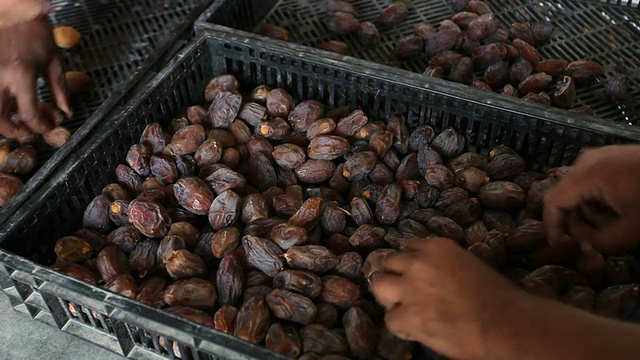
<point x="24" y="338"/>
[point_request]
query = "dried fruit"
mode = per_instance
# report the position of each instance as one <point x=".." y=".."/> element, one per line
<point x="368" y="33"/>
<point x="279" y="103"/>
<point x="195" y="293"/>
<point x="497" y="74"/>
<point x="263" y="254"/>
<point x="57" y="136"/>
<point x="335" y="46"/>
<point x="584" y="72"/>
<point x="342" y="23"/>
<point x="194" y="195"/>
<point x="314" y="258"/>
<point x="565" y="94"/>
<point x="66" y="37"/>
<point x="284" y="339"/>
<point x="252" y="321"/>
<point x="224" y="210"/>
<point x="143" y="257"/>
<point x="482" y="27"/>
<point x="181" y="264"/>
<point x="553" y="67"/>
<point x="224" y="319"/>
<point x="462" y="71"/>
<point x="409" y="47"/>
<point x="290" y="306"/>
<point x="616" y="87"/>
<point x="229" y="280"/>
<point x="502" y="195"/>
<point x="274" y="31"/>
<point x="360" y="333"/>
<point x="339" y="291"/>
<point x="542" y="31"/>
<point x="394" y="14"/>
<point x="77" y="82"/>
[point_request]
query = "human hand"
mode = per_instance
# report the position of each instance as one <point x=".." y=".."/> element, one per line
<point x="597" y="203"/>
<point x="28" y="49"/>
<point x="440" y="295"/>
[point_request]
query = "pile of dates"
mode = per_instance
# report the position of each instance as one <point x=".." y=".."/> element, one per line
<point x="17" y="163"/>
<point x="473" y="48"/>
<point x="19" y="158"/>
<point x="267" y="219"/>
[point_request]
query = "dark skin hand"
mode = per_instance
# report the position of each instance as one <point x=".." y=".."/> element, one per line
<point x="440" y="295"/>
<point x="28" y="50"/>
<point x="598" y="202"/>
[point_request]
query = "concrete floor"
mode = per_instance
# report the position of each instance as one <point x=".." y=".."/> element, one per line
<point x="24" y="338"/>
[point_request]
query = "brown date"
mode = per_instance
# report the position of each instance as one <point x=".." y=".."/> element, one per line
<point x="388" y="204"/>
<point x="163" y="168"/>
<point x="368" y="33"/>
<point x="327" y="147"/>
<point x="351" y="123"/>
<point x="279" y="103"/>
<point x="542" y="31"/>
<point x="505" y="166"/>
<point x="194" y="195"/>
<point x="342" y="23"/>
<point x="497" y="74"/>
<point x="565" y="94"/>
<point x="263" y="254"/>
<point x="149" y="218"/>
<point x="303" y="282"/>
<point x="229" y="280"/>
<point x="367" y="237"/>
<point x="224" y="210"/>
<point x="274" y="31"/>
<point x="224" y="109"/>
<point x="182" y="264"/>
<point x="321" y="340"/>
<point x="394" y="14"/>
<point x="540" y="98"/>
<point x="143" y="257"/>
<point x="195" y="293"/>
<point x="112" y="261"/>
<point x="284" y="339"/>
<point x="553" y="67"/>
<point x="409" y="47"/>
<point x="482" y="27"/>
<point x="123" y="284"/>
<point x="339" y="291"/>
<point x="224" y="319"/>
<point x="195" y="315"/>
<point x="73" y="249"/>
<point x="252" y="321"/>
<point x="152" y="290"/>
<point x="154" y="138"/>
<point x="289" y="306"/>
<point x="462" y="71"/>
<point x="20" y="162"/>
<point x="584" y="72"/>
<point x="616" y="87"/>
<point x="315" y="258"/>
<point x="96" y="215"/>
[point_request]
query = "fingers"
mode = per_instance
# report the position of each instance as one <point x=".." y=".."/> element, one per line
<point x="387" y="290"/>
<point x="58" y="85"/>
<point x="9" y="128"/>
<point x="26" y="96"/>
<point x="399" y="263"/>
<point x="397" y="319"/>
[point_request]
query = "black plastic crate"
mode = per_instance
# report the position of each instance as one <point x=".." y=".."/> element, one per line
<point x="131" y="328"/>
<point x="122" y="43"/>
<point x="606" y="31"/>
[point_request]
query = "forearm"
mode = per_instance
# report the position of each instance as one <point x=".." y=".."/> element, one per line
<point x="543" y="329"/>
<point x="13" y="12"/>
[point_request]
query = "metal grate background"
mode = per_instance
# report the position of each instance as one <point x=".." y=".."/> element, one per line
<point x="606" y="31"/>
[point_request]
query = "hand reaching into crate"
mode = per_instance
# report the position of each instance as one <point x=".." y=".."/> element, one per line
<point x="442" y="296"/>
<point x="597" y="202"/>
<point x="28" y="49"/>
